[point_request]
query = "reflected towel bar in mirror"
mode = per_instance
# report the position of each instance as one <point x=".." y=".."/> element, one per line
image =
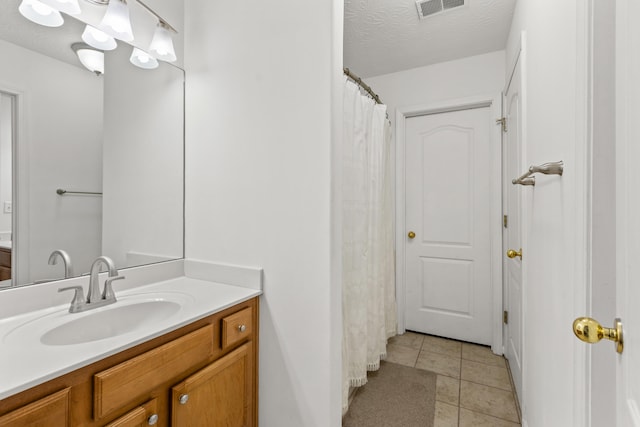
<point x="61" y="192"/>
<point x="552" y="168"/>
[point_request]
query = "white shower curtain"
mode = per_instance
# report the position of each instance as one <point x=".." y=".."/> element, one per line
<point x="368" y="278"/>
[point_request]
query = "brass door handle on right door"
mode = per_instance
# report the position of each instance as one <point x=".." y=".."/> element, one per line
<point x="411" y="235"/>
<point x="512" y="253"/>
<point x="591" y="331"/>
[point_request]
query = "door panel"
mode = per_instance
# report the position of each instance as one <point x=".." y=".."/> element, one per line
<point x="512" y="236"/>
<point x="448" y="287"/>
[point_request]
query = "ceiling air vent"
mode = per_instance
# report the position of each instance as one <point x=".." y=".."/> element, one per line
<point x="428" y="8"/>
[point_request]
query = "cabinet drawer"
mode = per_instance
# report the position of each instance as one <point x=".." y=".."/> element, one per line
<point x="139" y="417"/>
<point x="124" y="383"/>
<point x="236" y="327"/>
<point x="52" y="410"/>
<point x="5" y="273"/>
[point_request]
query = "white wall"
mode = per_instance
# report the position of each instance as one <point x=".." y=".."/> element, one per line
<point x="476" y="75"/>
<point x="143" y="161"/>
<point x="6" y="141"/>
<point x="61" y="147"/>
<point x="555" y="210"/>
<point x="259" y="105"/>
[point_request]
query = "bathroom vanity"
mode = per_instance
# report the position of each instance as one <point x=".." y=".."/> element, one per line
<point x="5" y="262"/>
<point x="196" y="364"/>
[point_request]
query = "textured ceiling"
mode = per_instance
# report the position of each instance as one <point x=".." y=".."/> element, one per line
<point x="385" y="36"/>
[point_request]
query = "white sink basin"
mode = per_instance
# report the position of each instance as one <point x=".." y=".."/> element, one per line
<point x="112" y="321"/>
<point x="129" y="314"/>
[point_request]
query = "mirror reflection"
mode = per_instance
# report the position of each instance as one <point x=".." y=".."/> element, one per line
<point x="90" y="164"/>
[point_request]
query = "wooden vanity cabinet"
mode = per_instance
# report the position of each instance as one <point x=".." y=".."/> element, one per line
<point x="204" y="374"/>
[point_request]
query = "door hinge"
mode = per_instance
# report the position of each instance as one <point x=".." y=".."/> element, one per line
<point x="505" y="317"/>
<point x="502" y="121"/>
<point x="505" y="220"/>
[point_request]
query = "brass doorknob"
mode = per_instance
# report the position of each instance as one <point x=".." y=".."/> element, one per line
<point x="591" y="331"/>
<point x="512" y="254"/>
<point x="411" y="234"/>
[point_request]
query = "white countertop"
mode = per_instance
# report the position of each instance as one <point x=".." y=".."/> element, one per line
<point x="26" y="362"/>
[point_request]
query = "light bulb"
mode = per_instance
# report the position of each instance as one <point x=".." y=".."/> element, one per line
<point x="92" y="59"/>
<point x="40" y="13"/>
<point x="142" y="59"/>
<point x="98" y="39"/>
<point x="116" y="21"/>
<point x="162" y="44"/>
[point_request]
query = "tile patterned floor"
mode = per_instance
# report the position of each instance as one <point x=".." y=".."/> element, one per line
<point x="473" y="388"/>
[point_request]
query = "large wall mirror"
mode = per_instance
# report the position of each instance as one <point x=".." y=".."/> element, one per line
<point x="112" y="143"/>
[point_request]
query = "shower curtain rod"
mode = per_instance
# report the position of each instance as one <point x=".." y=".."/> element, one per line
<point x="362" y="84"/>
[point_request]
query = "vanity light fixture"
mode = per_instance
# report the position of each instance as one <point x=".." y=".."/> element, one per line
<point x="162" y="43"/>
<point x="116" y="21"/>
<point x="98" y="39"/>
<point x="142" y="59"/>
<point x="40" y="13"/>
<point x="91" y="58"/>
<point x="115" y="24"/>
<point x="70" y="7"/>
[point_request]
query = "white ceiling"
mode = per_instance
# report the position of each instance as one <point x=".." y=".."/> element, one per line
<point x="385" y="36"/>
<point x="53" y="42"/>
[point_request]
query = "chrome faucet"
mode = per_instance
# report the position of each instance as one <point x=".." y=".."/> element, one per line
<point x="94" y="286"/>
<point x="66" y="260"/>
<point x="94" y="298"/>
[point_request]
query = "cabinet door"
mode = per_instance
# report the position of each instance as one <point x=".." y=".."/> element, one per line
<point x="219" y="395"/>
<point x="52" y="410"/>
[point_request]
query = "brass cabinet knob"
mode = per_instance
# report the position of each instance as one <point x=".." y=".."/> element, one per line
<point x="591" y="331"/>
<point x="512" y="253"/>
<point x="411" y="234"/>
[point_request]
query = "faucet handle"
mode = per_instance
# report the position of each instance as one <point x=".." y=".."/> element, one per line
<point x="108" y="293"/>
<point x="78" y="298"/>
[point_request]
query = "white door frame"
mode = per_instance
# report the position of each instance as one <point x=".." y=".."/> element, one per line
<point x="494" y="102"/>
<point x="19" y="188"/>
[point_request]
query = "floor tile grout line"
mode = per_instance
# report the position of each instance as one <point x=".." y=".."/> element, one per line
<point x="469" y="381"/>
<point x="489" y="415"/>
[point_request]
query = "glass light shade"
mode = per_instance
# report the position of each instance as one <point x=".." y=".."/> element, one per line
<point x="98" y="39"/>
<point x="142" y="59"/>
<point x="116" y="21"/>
<point x="40" y="13"/>
<point x="92" y="59"/>
<point x="70" y="7"/>
<point x="162" y="44"/>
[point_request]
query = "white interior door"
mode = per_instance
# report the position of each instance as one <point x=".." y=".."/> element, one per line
<point x="512" y="235"/>
<point x="448" y="192"/>
<point x="628" y="209"/>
